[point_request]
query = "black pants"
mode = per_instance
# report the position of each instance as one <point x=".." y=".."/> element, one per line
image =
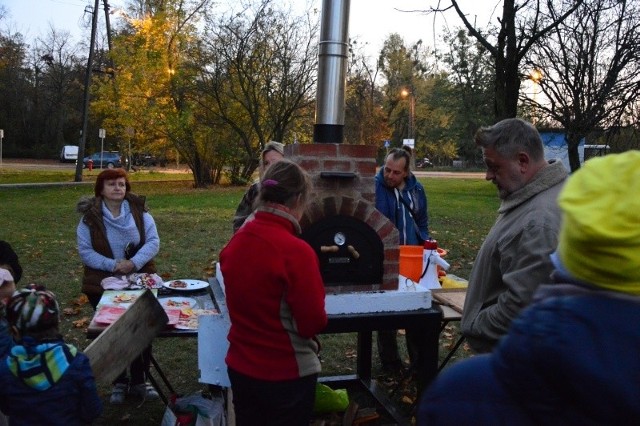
<point x="388" y="347"/>
<point x="137" y="369"/>
<point x="260" y="402"/>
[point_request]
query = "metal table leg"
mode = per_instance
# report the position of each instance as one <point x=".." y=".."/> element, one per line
<point x="154" y="382"/>
<point x="451" y="353"/>
<point x="363" y="361"/>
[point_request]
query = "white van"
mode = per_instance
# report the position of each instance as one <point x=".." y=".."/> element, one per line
<point x="69" y="154"/>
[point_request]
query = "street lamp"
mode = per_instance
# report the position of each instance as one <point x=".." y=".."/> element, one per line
<point x="535" y="76"/>
<point x="412" y="109"/>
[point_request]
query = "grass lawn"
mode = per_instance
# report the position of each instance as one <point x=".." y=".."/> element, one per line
<point x="194" y="224"/>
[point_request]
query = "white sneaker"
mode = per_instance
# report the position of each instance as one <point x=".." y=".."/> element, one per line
<point x="145" y="391"/>
<point x="118" y="393"/>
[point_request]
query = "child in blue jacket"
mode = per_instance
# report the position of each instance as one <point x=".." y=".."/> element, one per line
<point x="43" y="380"/>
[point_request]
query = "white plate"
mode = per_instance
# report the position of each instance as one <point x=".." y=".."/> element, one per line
<point x="190" y="285"/>
<point x="178" y="302"/>
<point x="191" y="323"/>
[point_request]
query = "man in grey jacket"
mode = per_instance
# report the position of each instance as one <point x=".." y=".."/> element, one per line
<point x="514" y="258"/>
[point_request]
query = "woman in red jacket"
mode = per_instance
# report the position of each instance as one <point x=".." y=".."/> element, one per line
<point x="275" y="297"/>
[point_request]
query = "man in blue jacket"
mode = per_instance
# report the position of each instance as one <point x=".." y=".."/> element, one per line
<point x="402" y="199"/>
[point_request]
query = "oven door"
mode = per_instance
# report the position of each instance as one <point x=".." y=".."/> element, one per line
<point x="350" y="251"/>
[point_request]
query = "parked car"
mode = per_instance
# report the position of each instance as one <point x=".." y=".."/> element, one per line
<point x="110" y="159"/>
<point x="425" y="162"/>
<point x="143" y="159"/>
<point x="146" y="159"/>
<point x="69" y="154"/>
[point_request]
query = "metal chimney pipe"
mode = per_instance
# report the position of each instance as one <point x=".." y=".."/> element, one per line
<point x="332" y="71"/>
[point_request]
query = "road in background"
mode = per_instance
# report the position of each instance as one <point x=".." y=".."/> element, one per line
<point x="56" y="165"/>
<point x="23" y="163"/>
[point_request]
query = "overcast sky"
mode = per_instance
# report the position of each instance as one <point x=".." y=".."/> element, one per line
<point x="371" y="21"/>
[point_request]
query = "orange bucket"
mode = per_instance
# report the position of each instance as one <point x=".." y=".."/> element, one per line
<point x="411" y="262"/>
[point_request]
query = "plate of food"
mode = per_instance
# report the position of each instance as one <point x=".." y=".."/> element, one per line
<point x="124" y="297"/>
<point x="108" y="314"/>
<point x="173" y="315"/>
<point x="121" y="297"/>
<point x="178" y="302"/>
<point x="189" y="318"/>
<point x="144" y="280"/>
<point x="186" y="285"/>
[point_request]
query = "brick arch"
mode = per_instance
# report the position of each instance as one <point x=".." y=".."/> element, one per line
<point x="321" y="207"/>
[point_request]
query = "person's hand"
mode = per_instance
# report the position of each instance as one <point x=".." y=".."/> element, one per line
<point x="7" y="286"/>
<point x="124" y="267"/>
<point x="6" y="291"/>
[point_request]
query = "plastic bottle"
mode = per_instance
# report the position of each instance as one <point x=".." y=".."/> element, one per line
<point x="430" y="259"/>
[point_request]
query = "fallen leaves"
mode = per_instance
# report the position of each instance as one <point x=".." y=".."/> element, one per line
<point x="70" y="311"/>
<point x="81" y="323"/>
<point x="80" y="300"/>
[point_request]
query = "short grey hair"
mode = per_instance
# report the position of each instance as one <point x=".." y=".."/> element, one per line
<point x="510" y="136"/>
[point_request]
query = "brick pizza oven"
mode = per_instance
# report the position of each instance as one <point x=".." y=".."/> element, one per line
<point x="356" y="244"/>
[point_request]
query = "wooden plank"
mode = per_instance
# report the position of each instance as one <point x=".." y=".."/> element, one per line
<point x="126" y="338"/>
<point x="451" y="297"/>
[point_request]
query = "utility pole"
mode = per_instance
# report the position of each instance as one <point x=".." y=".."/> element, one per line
<point x="87" y="83"/>
<point x="108" y="24"/>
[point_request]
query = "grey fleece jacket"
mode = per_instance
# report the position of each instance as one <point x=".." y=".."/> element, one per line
<point x="514" y="258"/>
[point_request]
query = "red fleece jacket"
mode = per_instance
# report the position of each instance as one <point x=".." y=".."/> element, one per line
<point x="275" y="296"/>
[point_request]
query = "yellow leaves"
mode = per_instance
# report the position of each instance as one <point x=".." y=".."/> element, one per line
<point x="76" y="309"/>
<point x="80" y="300"/>
<point x="82" y="322"/>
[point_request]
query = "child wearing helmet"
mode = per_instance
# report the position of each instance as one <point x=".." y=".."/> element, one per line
<point x="43" y="380"/>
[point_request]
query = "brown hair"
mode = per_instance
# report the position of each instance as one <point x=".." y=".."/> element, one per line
<point x="398" y="153"/>
<point x="283" y="183"/>
<point x="110" y="174"/>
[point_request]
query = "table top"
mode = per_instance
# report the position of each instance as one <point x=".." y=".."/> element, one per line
<point x="357" y="321"/>
<point x="203" y="297"/>
<point x="451" y="297"/>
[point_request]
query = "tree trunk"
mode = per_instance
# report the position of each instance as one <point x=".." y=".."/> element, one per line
<point x="202" y="172"/>
<point x="573" y="141"/>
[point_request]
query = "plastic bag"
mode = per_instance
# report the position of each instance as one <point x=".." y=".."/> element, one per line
<point x="195" y="410"/>
<point x="330" y="400"/>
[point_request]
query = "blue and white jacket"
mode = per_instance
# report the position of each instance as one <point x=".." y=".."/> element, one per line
<point x="413" y="228"/>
